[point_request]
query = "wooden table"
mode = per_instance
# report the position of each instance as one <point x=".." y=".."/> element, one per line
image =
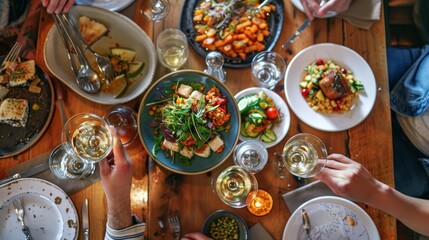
<point x="157" y="193"/>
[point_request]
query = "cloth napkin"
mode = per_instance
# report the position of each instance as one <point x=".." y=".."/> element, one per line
<point x="69" y="186"/>
<point x="362" y="13"/>
<point x="297" y="197"/>
<point x="259" y="232"/>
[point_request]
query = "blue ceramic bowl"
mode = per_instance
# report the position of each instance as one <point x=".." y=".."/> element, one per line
<point x="198" y="165"/>
<point x="243" y="230"/>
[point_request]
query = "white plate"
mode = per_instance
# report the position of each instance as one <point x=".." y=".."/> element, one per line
<point x="49" y="212"/>
<point x="280" y="129"/>
<point x="327" y="218"/>
<point x="298" y="4"/>
<point x="111" y="5"/>
<point x="124" y="32"/>
<point x="342" y="56"/>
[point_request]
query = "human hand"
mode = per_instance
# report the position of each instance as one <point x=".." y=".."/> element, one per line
<point x="195" y="236"/>
<point x="57" y="6"/>
<point x="116" y="177"/>
<point x="348" y="178"/>
<point x="319" y="8"/>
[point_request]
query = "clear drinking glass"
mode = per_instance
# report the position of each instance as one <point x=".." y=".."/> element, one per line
<point x="124" y="119"/>
<point x="235" y="186"/>
<point x="268" y="68"/>
<point x="251" y="154"/>
<point x="65" y="166"/>
<point x="87" y="136"/>
<point x="156" y="10"/>
<point x="172" y="48"/>
<point x="305" y="155"/>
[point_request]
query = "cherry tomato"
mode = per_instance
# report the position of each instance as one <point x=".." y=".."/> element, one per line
<point x="320" y="62"/>
<point x="272" y="113"/>
<point x="305" y="92"/>
<point x="344" y="70"/>
<point x="220" y="101"/>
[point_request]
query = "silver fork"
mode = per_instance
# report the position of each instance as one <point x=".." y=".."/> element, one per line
<point x="174" y="225"/>
<point x="20" y="213"/>
<point x="12" y="55"/>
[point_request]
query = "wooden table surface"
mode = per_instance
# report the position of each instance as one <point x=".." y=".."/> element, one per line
<point x="158" y="193"/>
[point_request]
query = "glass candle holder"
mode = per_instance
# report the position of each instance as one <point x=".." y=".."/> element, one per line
<point x="262" y="204"/>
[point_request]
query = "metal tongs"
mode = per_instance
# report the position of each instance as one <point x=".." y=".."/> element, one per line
<point x="86" y="77"/>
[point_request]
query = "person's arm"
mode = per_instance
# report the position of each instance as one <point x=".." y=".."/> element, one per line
<point x="313" y="9"/>
<point x="116" y="178"/>
<point x="350" y="179"/>
<point x="57" y="6"/>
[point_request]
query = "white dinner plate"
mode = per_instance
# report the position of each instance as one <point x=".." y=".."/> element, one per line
<point x="279" y="129"/>
<point x="111" y="5"/>
<point x="298" y="5"/>
<point x="344" y="57"/>
<point x="331" y="218"/>
<point x="49" y="212"/>
<point x="123" y="32"/>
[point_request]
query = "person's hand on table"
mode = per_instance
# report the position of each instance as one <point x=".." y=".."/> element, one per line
<point x="57" y="6"/>
<point x="313" y="9"/>
<point x="116" y="178"/>
<point x="195" y="236"/>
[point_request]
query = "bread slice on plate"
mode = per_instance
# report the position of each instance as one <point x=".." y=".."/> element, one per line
<point x="91" y="30"/>
<point x="14" y="112"/>
<point x="23" y="72"/>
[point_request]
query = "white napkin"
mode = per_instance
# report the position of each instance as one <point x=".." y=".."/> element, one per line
<point x="362" y="13"/>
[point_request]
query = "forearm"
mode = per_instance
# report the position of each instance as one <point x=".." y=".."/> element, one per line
<point x="119" y="214"/>
<point x="412" y="212"/>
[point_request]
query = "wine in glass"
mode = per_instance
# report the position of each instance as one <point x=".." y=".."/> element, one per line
<point x="305" y="155"/>
<point x="236" y="186"/>
<point x="156" y="11"/>
<point x="172" y="48"/>
<point x="87" y="137"/>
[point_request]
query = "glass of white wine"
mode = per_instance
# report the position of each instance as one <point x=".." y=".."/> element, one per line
<point x="87" y="137"/>
<point x="172" y="48"/>
<point x="235" y="186"/>
<point x="305" y="155"/>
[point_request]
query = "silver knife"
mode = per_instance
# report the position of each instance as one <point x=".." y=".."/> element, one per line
<point x="26" y="173"/>
<point x="85" y="220"/>
<point x="298" y="32"/>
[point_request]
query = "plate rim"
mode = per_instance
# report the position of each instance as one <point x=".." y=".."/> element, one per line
<point x="111" y="7"/>
<point x="48" y="120"/>
<point x="90" y="97"/>
<point x="280" y="6"/>
<point x="142" y="103"/>
<point x="362" y="214"/>
<point x="269" y="93"/>
<point x="371" y="92"/>
<point x="46" y="185"/>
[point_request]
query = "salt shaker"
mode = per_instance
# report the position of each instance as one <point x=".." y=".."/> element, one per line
<point x="214" y="61"/>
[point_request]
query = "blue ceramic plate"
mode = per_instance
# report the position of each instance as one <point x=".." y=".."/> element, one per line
<point x="243" y="230"/>
<point x="186" y="25"/>
<point x="198" y="165"/>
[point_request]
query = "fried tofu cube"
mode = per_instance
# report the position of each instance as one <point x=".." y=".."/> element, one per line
<point x="203" y="151"/>
<point x="215" y="143"/>
<point x="184" y="90"/>
<point x="171" y="145"/>
<point x="187" y="152"/>
<point x="196" y="95"/>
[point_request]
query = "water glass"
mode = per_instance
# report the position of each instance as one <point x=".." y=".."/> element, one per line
<point x="87" y="136"/>
<point x="156" y="11"/>
<point x="124" y="119"/>
<point x="172" y="48"/>
<point x="251" y="154"/>
<point x="235" y="186"/>
<point x="268" y="68"/>
<point x="305" y="155"/>
<point x="65" y="166"/>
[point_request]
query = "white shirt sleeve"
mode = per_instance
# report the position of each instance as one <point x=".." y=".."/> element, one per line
<point x="134" y="232"/>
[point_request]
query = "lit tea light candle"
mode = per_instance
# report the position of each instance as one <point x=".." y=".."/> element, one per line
<point x="262" y="204"/>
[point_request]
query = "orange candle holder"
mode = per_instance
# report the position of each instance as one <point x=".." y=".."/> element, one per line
<point x="262" y="204"/>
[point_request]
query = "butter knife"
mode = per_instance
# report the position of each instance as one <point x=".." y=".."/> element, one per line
<point x="298" y="32"/>
<point x="85" y="220"/>
<point x="26" y="173"/>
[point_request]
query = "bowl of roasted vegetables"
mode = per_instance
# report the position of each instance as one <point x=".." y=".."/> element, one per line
<point x="224" y="224"/>
<point x="189" y="122"/>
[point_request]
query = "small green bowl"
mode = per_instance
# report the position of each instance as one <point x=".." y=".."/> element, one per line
<point x="243" y="230"/>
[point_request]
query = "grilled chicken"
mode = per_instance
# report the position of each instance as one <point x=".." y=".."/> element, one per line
<point x="334" y="86"/>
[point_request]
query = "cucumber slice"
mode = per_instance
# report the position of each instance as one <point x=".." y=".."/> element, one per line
<point x="250" y="132"/>
<point x="243" y="129"/>
<point x="245" y="103"/>
<point x="135" y="68"/>
<point x="256" y="118"/>
<point x="265" y="139"/>
<point x="124" y="54"/>
<point x="270" y="134"/>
